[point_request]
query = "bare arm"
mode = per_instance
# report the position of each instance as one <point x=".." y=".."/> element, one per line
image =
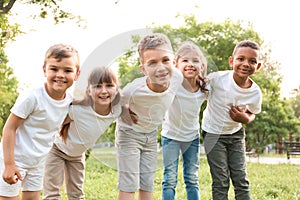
<point x="128" y="116"/>
<point x="241" y="116"/>
<point x="8" y="140"/>
<point x="63" y="132"/>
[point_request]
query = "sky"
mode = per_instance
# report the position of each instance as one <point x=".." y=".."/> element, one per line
<point x="275" y="21"/>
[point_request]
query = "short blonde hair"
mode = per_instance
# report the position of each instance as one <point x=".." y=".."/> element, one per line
<point x="154" y="41"/>
<point x="60" y="51"/>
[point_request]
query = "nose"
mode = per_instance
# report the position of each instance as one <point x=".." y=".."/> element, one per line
<point x="60" y="73"/>
<point x="160" y="67"/>
<point x="103" y="89"/>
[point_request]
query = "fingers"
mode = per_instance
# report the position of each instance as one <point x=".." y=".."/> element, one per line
<point x="19" y="176"/>
<point x="133" y="116"/>
<point x="12" y="176"/>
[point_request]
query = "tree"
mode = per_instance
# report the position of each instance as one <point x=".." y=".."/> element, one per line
<point x="47" y="8"/>
<point x="8" y="32"/>
<point x="8" y="82"/>
<point x="218" y="41"/>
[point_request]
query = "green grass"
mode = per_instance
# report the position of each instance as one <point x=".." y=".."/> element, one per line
<point x="268" y="182"/>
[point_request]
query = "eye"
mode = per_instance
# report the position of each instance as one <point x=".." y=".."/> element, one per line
<point x="110" y="85"/>
<point x="240" y="59"/>
<point x="96" y="86"/>
<point x="69" y="70"/>
<point x="253" y="62"/>
<point x="53" y="69"/>
<point x="166" y="60"/>
<point x="151" y="64"/>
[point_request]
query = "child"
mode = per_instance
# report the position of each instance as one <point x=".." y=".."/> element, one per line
<point x="34" y="120"/>
<point x="148" y="97"/>
<point x="86" y="122"/>
<point x="234" y="100"/>
<point x="180" y="129"/>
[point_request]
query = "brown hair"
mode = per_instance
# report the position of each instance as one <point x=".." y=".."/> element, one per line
<point x="189" y="46"/>
<point x="60" y="51"/>
<point x="154" y="41"/>
<point x="98" y="75"/>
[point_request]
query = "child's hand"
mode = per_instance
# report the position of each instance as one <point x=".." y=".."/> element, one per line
<point x="11" y="175"/>
<point x="241" y="115"/>
<point x="128" y="116"/>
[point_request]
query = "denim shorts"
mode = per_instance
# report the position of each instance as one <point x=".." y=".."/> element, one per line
<point x="137" y="160"/>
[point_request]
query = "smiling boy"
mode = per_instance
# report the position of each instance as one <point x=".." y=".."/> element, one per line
<point x="148" y="97"/>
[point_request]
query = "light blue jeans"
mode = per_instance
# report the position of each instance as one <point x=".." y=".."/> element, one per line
<point x="190" y="161"/>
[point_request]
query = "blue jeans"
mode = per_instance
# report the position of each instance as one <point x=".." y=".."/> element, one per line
<point x="190" y="161"/>
<point x="226" y="159"/>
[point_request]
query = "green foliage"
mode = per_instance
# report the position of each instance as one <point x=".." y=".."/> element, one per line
<point x="8" y="82"/>
<point x="48" y="8"/>
<point x="217" y="40"/>
<point x="8" y="90"/>
<point x="8" y="32"/>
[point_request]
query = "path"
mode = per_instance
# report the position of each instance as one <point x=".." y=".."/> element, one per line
<point x="272" y="160"/>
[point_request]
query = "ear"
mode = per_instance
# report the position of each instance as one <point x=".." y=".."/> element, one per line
<point x="77" y="75"/>
<point x="258" y="66"/>
<point x="175" y="63"/>
<point x="44" y="70"/>
<point x="230" y="61"/>
<point x="88" y="91"/>
<point x="142" y="68"/>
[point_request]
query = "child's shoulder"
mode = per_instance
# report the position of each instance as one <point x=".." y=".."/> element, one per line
<point x="219" y="74"/>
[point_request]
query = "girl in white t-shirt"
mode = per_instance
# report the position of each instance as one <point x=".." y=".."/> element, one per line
<point x="180" y="128"/>
<point x="86" y="121"/>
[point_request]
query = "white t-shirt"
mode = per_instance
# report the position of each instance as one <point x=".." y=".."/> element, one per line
<point x="181" y="121"/>
<point x="43" y="118"/>
<point x="85" y="128"/>
<point x="224" y="94"/>
<point x="149" y="106"/>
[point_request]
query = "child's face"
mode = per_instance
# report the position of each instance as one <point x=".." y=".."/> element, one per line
<point x="245" y="62"/>
<point x="103" y="94"/>
<point x="190" y="64"/>
<point x="60" y="76"/>
<point x="157" y="65"/>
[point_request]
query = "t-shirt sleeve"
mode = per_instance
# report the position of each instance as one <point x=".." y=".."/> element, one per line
<point x="176" y="80"/>
<point x="255" y="107"/>
<point x="24" y="105"/>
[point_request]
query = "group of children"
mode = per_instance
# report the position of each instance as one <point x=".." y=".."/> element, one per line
<point x="170" y="94"/>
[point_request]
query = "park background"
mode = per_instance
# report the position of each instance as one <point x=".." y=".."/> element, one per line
<point x="214" y="25"/>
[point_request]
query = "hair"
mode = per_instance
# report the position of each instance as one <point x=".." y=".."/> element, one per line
<point x="246" y="43"/>
<point x="189" y="46"/>
<point x="60" y="51"/>
<point x="98" y="75"/>
<point x="154" y="41"/>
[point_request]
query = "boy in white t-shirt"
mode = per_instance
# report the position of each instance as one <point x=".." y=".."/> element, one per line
<point x="148" y="97"/>
<point x="34" y="120"/>
<point x="234" y="100"/>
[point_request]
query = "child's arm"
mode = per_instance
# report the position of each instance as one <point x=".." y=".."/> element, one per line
<point x="11" y="174"/>
<point x="63" y="132"/>
<point x="128" y="116"/>
<point x="241" y="116"/>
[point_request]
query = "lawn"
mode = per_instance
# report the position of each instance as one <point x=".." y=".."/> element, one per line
<point x="280" y="181"/>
